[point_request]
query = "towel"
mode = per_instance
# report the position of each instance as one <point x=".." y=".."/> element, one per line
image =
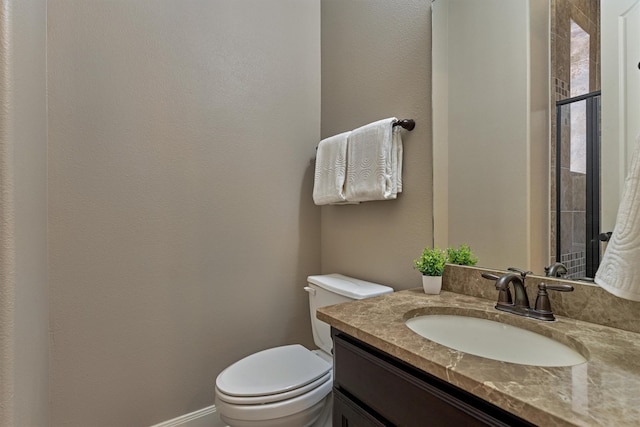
<point x="374" y="162"/>
<point x="331" y="164"/>
<point x="619" y="271"/>
<point x="396" y="146"/>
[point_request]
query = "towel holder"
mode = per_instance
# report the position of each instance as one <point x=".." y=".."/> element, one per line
<point x="408" y="124"/>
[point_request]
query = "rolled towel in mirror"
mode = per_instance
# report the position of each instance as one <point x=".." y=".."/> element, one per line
<point x="619" y="271"/>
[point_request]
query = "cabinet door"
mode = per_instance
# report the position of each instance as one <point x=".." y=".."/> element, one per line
<point x="393" y="392"/>
<point x="347" y="413"/>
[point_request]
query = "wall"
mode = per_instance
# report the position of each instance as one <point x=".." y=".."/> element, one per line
<point x="181" y="222"/>
<point x="495" y="183"/>
<point x="23" y="214"/>
<point x="376" y="64"/>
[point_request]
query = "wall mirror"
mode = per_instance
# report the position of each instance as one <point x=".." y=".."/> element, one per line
<point x="499" y="66"/>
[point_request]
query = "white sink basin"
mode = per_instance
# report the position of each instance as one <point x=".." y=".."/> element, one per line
<point x="494" y="340"/>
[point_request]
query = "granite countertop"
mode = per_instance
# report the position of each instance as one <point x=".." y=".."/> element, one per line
<point x="604" y="391"/>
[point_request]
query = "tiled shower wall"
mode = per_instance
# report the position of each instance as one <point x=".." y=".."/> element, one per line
<point x="585" y="13"/>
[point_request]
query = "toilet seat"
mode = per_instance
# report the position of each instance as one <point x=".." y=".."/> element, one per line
<point x="274" y="383"/>
<point x="257" y="400"/>
<point x="274" y="374"/>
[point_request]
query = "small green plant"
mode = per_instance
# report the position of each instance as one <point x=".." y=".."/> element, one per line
<point x="431" y="262"/>
<point x="461" y="256"/>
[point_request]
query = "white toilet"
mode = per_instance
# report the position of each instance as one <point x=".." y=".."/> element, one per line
<point x="290" y="386"/>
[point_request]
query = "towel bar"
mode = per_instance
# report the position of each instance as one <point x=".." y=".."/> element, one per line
<point x="408" y="124"/>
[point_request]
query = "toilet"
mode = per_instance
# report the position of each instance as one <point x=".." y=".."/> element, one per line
<point x="290" y="386"/>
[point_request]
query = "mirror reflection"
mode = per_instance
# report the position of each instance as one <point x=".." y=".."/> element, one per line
<point x="522" y="183"/>
<point x="575" y="136"/>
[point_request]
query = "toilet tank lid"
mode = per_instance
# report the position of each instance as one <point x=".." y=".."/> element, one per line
<point x="348" y="286"/>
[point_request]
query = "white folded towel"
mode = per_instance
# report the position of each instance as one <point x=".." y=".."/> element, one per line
<point x="619" y="271"/>
<point x="374" y="162"/>
<point x="397" y="163"/>
<point x="331" y="165"/>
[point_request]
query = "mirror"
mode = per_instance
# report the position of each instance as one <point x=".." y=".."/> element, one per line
<point x="491" y="130"/>
<point x="492" y="106"/>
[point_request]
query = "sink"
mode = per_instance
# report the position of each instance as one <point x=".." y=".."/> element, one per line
<point x="494" y="340"/>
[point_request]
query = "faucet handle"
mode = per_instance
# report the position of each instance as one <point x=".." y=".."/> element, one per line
<point x="522" y="272"/>
<point x="490" y="276"/>
<point x="504" y="295"/>
<point x="558" y="287"/>
<point x="543" y="305"/>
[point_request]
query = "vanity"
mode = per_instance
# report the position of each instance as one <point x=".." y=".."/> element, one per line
<point x="372" y="388"/>
<point x="386" y="374"/>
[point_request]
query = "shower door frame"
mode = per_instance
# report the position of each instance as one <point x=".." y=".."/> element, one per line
<point x="592" y="208"/>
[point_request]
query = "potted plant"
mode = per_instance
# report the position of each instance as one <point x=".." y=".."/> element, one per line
<point x="431" y="265"/>
<point x="461" y="256"/>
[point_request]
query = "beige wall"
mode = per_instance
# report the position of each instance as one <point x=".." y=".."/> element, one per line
<point x="181" y="227"/>
<point x="23" y="214"/>
<point x="181" y="222"/>
<point x="376" y="64"/>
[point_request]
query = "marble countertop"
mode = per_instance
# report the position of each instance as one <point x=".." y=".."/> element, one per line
<point x="604" y="391"/>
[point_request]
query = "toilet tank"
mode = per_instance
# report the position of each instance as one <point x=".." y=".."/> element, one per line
<point x="329" y="289"/>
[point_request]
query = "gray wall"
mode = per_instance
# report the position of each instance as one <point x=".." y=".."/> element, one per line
<point x="181" y="226"/>
<point x="181" y="222"/>
<point x="24" y="354"/>
<point x="376" y="63"/>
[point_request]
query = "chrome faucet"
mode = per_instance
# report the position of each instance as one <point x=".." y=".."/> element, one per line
<point x="557" y="269"/>
<point x="520" y="305"/>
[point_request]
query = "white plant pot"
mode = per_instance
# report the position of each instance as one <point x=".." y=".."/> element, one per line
<point x="432" y="284"/>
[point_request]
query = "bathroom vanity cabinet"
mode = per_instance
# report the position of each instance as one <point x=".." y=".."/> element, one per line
<point x="372" y="388"/>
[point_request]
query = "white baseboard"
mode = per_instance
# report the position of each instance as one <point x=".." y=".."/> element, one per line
<point x="205" y="417"/>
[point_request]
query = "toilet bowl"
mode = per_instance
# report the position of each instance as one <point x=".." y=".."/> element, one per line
<point x="290" y="386"/>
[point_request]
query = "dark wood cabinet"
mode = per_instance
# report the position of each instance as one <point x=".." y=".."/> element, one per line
<point x="372" y="388"/>
<point x="347" y="413"/>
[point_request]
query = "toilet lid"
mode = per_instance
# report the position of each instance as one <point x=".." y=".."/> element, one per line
<point x="272" y="371"/>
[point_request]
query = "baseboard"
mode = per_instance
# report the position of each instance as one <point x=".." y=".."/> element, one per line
<point x="205" y="417"/>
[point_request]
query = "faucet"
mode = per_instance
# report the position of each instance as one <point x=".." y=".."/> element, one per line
<point x="521" y="300"/>
<point x="557" y="269"/>
<point x="520" y="293"/>
<point x="504" y="296"/>
<point x="520" y="305"/>
<point x="502" y="284"/>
